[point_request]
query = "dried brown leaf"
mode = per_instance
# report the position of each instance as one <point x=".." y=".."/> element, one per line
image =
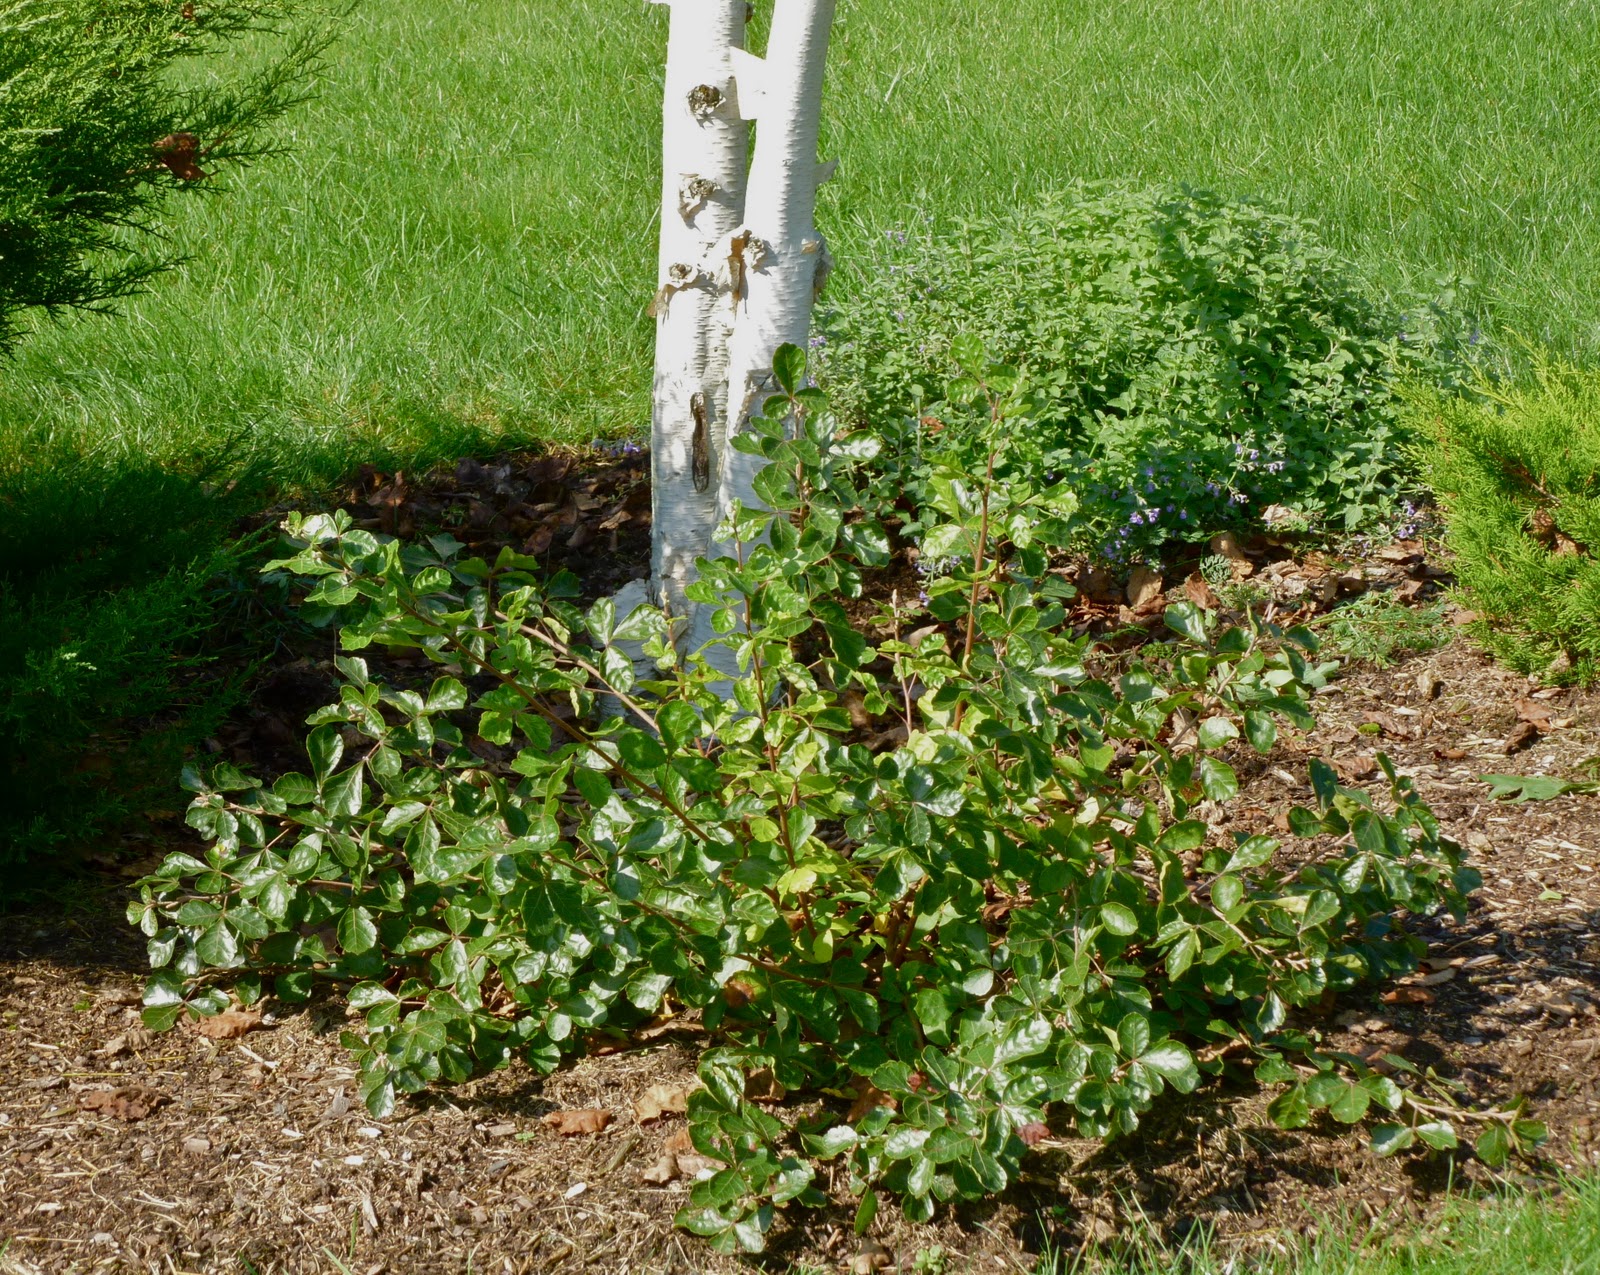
<point x="868" y="1098"/>
<point x="1144" y="587"/>
<point x="578" y="1121"/>
<point x="1523" y="735"/>
<point x="662" y="1171"/>
<point x="130" y="1102"/>
<point x="228" y="1025"/>
<point x="660" y="1100"/>
<point x="1199" y="592"/>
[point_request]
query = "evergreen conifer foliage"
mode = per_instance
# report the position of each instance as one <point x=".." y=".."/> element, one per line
<point x="1518" y="473"/>
<point x="94" y="133"/>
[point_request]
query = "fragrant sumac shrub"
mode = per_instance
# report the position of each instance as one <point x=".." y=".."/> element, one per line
<point x="948" y="861"/>
<point x="1197" y="360"/>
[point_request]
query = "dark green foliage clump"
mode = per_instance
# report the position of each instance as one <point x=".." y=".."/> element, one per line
<point x="93" y="133"/>
<point x="1009" y="910"/>
<point x="1518" y="474"/>
<point x="1197" y="360"/>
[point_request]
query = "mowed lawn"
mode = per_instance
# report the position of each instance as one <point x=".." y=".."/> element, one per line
<point x="460" y="245"/>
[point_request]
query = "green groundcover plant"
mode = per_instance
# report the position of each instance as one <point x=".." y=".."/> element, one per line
<point x="1003" y="912"/>
<point x="1517" y="472"/>
<point x="1197" y="360"/>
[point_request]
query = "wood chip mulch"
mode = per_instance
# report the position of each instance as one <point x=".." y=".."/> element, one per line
<point x="246" y="1149"/>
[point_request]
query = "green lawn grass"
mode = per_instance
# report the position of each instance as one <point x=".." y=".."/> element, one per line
<point x="1518" y="1234"/>
<point x="457" y="251"/>
<point x="461" y="243"/>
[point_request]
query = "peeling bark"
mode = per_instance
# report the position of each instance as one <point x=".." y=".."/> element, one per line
<point x="741" y="263"/>
<point x="779" y="287"/>
<point x="705" y="146"/>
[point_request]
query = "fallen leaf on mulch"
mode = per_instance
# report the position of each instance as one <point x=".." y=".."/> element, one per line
<point x="1407" y="996"/>
<point x="1033" y="1133"/>
<point x="660" y="1100"/>
<point x="1532" y="711"/>
<point x="662" y="1171"/>
<point x="582" y="1120"/>
<point x="1227" y="544"/>
<point x="868" y="1098"/>
<point x="1144" y="587"/>
<point x="131" y="1102"/>
<point x="1523" y="735"/>
<point x="763" y="1086"/>
<point x="1199" y="592"/>
<point x="1357" y="767"/>
<point x="228" y="1025"/>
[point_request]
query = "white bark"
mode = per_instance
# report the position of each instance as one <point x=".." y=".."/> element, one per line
<point x="777" y="260"/>
<point x="740" y="264"/>
<point x="785" y="257"/>
<point x="705" y="144"/>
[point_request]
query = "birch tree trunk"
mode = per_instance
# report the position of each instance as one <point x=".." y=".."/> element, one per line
<point x="740" y="265"/>
<point x="785" y="259"/>
<point x="705" y="146"/>
<point x="777" y="259"/>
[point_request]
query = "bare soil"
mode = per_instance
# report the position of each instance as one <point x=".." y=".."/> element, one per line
<point x="123" y="1151"/>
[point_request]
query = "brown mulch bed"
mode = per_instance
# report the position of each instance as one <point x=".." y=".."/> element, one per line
<point x="122" y="1151"/>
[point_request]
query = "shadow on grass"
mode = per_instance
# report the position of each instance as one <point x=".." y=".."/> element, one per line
<point x="128" y="629"/>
